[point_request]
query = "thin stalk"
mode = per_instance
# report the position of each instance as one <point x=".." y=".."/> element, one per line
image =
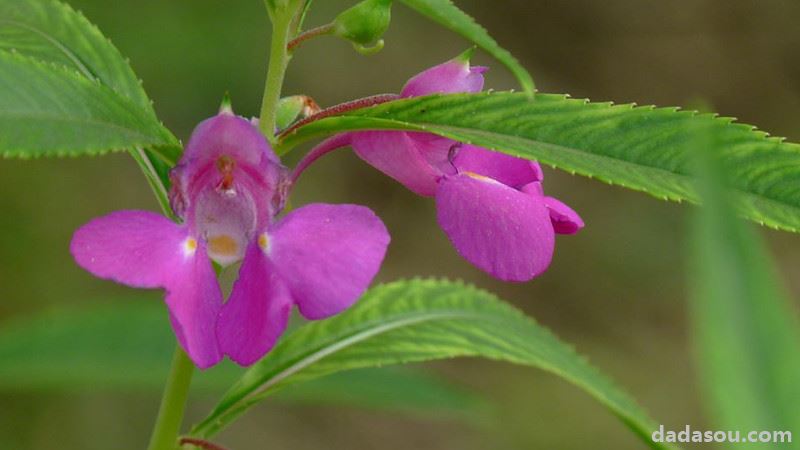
<point x="324" y="147"/>
<point x="162" y="196"/>
<point x="306" y="35"/>
<point x="173" y="403"/>
<point x="278" y="61"/>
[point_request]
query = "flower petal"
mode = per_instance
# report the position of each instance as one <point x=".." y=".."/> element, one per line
<point x="228" y="134"/>
<point x="451" y="77"/>
<point x="507" y="169"/>
<point x="194" y="300"/>
<point x="256" y="314"/>
<point x="397" y="154"/>
<point x="328" y="255"/>
<point x="136" y="248"/>
<point x="504" y="232"/>
<point x="228" y="153"/>
<point x="565" y="219"/>
<point x="534" y="188"/>
<point x="144" y="249"/>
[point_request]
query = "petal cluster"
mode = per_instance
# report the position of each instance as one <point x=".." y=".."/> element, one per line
<point x="227" y="190"/>
<point x="491" y="205"/>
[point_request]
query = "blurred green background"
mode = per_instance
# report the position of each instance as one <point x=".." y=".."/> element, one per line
<point x="616" y="290"/>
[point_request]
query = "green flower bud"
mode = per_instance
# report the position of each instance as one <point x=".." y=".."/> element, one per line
<point x="293" y="108"/>
<point x="364" y="24"/>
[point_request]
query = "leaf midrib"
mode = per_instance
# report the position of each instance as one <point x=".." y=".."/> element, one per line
<point x="429" y="127"/>
<point x="358" y="335"/>
<point x="685" y="179"/>
<point x="58" y="45"/>
<point x="682" y="177"/>
<point x="59" y="118"/>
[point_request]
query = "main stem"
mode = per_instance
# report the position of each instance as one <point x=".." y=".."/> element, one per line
<point x="278" y="60"/>
<point x="173" y="403"/>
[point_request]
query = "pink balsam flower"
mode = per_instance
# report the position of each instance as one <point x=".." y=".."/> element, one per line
<point x="490" y="205"/>
<point x="227" y="190"/>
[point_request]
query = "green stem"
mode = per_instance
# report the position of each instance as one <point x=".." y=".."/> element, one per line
<point x="173" y="403"/>
<point x="278" y="61"/>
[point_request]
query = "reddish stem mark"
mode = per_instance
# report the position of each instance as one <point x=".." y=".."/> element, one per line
<point x="339" y="109"/>
<point x="308" y="34"/>
<point x="205" y="445"/>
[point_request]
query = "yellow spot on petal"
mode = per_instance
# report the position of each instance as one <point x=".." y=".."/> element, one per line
<point x="223" y="245"/>
<point x="189" y="246"/>
<point x="479" y="177"/>
<point x="263" y="241"/>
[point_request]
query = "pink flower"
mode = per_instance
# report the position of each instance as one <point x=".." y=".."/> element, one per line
<point x="227" y="189"/>
<point x="490" y="205"/>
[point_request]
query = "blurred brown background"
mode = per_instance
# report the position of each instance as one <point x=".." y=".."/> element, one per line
<point x="616" y="290"/>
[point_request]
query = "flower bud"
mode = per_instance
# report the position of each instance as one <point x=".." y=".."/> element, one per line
<point x="293" y="108"/>
<point x="364" y="24"/>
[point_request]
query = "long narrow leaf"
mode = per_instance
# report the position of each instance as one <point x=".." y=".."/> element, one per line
<point x="640" y="148"/>
<point x="416" y="320"/>
<point x="746" y="329"/>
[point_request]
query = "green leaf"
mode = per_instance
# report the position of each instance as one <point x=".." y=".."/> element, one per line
<point x="746" y="329"/>
<point x="392" y="389"/>
<point x="47" y="110"/>
<point x="416" y="320"/>
<point x="641" y="148"/>
<point x="450" y="16"/>
<point x="128" y="346"/>
<point x="52" y="31"/>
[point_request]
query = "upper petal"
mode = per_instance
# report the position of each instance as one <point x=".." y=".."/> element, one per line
<point x="227" y="133"/>
<point x="327" y="255"/>
<point x="507" y="169"/>
<point x="503" y="231"/>
<point x="398" y="155"/>
<point x="194" y="300"/>
<point x="257" y="312"/>
<point x="228" y="153"/>
<point x="137" y="248"/>
<point x="451" y="77"/>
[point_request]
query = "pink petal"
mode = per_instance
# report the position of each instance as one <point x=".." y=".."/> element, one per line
<point x="451" y="77"/>
<point x="257" y="311"/>
<point x="502" y="231"/>
<point x="328" y="255"/>
<point x="398" y="155"/>
<point x="509" y="170"/>
<point x="136" y="248"/>
<point x="534" y="188"/>
<point x="194" y="300"/>
<point x="565" y="219"/>
<point x="232" y="135"/>
<point x="144" y="249"/>
<point x="228" y="153"/>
